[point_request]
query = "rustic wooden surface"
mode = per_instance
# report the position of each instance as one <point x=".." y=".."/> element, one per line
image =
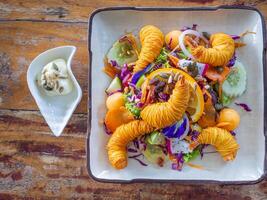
<point x="33" y="163"/>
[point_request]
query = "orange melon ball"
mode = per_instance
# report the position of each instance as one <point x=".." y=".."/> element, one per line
<point x="172" y="38"/>
<point x="229" y="119"/>
<point x="116" y="117"/>
<point x="115" y="101"/>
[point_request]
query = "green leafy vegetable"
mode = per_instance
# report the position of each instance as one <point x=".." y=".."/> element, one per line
<point x="181" y="55"/>
<point x="191" y="156"/>
<point x="133" y="108"/>
<point x="163" y="56"/>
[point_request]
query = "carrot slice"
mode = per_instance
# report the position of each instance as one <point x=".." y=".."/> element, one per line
<point x="214" y="75"/>
<point x="173" y="60"/>
<point x="109" y="69"/>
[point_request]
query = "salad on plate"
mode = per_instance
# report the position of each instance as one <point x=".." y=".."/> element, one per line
<point x="169" y="96"/>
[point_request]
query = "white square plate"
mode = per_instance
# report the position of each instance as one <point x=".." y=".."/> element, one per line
<point x="108" y="24"/>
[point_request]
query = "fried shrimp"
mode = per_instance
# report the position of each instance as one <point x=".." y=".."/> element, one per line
<point x="221" y="139"/>
<point x="152" y="40"/>
<point x="221" y="51"/>
<point x="160" y="115"/>
<point x="124" y="134"/>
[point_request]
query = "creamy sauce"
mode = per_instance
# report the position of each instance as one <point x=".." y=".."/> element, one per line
<point x="54" y="78"/>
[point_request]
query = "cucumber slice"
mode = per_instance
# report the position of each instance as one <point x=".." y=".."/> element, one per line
<point x="156" y="138"/>
<point x="154" y="154"/>
<point x="114" y="86"/>
<point x="122" y="52"/>
<point x="226" y="100"/>
<point x="140" y="81"/>
<point x="235" y="83"/>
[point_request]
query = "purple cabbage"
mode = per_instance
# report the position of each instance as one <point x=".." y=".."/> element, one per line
<point x="214" y="97"/>
<point x="235" y="37"/>
<point x="111" y="93"/>
<point x="141" y="162"/>
<point x="169" y="44"/>
<point x="185" y="28"/>
<point x="125" y="80"/>
<point x="244" y="106"/>
<point x="114" y="63"/>
<point x="202" y="147"/>
<point x="180" y="161"/>
<point x="124" y="71"/>
<point x="231" y="62"/>
<point x="140" y="104"/>
<point x="194" y="27"/>
<point x="168" y="146"/>
<point x="132" y="150"/>
<point x="107" y="131"/>
<point x="136" y="144"/>
<point x="233" y="133"/>
<point x="194" y="135"/>
<point x="163" y="97"/>
<point x="135" y="156"/>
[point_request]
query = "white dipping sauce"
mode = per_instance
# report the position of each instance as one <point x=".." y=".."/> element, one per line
<point x="54" y="78"/>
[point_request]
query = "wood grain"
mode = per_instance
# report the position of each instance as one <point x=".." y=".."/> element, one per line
<point x="72" y="10"/>
<point x="33" y="163"/>
<point x="21" y="42"/>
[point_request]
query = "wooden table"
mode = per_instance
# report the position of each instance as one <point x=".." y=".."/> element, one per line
<point x="33" y="163"/>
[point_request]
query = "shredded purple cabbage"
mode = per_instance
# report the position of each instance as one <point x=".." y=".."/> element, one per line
<point x="139" y="94"/>
<point x="194" y="135"/>
<point x="244" y="106"/>
<point x="141" y="162"/>
<point x="180" y="161"/>
<point x="233" y="133"/>
<point x="107" y="131"/>
<point x="231" y="62"/>
<point x="169" y="44"/>
<point x="132" y="85"/>
<point x="136" y="144"/>
<point x="163" y="97"/>
<point x="131" y="150"/>
<point x="179" y="157"/>
<point x="194" y="27"/>
<point x="185" y="28"/>
<point x="135" y="156"/>
<point x="125" y="80"/>
<point x="214" y="97"/>
<point x="140" y="104"/>
<point x="235" y="37"/>
<point x="202" y="147"/>
<point x="124" y="71"/>
<point x="111" y="93"/>
<point x="114" y="63"/>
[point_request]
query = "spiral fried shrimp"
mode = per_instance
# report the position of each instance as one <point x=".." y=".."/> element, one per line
<point x="222" y="50"/>
<point x="152" y="40"/>
<point x="160" y="115"/>
<point x="125" y="133"/>
<point x="221" y="139"/>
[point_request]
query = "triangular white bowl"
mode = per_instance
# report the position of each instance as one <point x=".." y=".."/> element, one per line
<point x="56" y="110"/>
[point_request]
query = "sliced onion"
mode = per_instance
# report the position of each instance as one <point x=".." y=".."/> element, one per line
<point x="181" y="41"/>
